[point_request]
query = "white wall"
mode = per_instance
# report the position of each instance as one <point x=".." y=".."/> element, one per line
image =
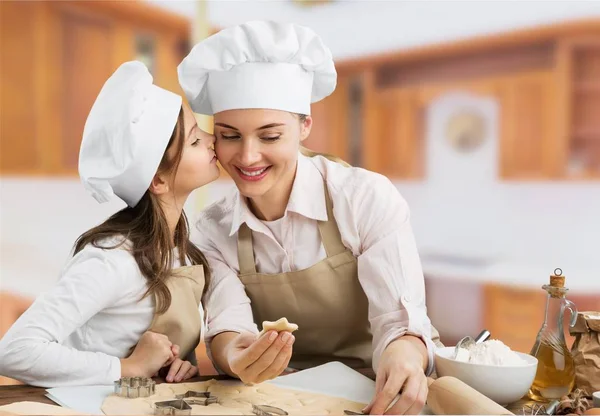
<point x="40" y="219"/>
<point x="551" y="224"/>
<point x="355" y="28"/>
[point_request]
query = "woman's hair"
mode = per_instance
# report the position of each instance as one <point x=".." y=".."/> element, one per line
<point x="149" y="239"/>
<point x="307" y="152"/>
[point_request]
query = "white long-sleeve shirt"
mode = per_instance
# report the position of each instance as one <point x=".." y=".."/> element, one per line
<point x="75" y="333"/>
<point x="373" y="219"/>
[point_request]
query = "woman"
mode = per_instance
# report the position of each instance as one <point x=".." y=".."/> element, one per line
<point x="325" y="245"/>
<point x="123" y="305"/>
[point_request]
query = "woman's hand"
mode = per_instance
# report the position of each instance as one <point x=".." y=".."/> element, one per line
<point x="256" y="360"/>
<point x="401" y="372"/>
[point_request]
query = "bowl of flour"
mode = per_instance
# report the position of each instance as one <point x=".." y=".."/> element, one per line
<point x="491" y="368"/>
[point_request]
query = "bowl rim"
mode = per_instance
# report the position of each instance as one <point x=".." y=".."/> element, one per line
<point x="521" y="354"/>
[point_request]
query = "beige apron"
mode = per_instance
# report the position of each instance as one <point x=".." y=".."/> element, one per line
<point x="326" y="301"/>
<point x="181" y="322"/>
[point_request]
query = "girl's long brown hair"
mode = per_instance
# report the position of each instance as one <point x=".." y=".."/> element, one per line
<point x="149" y="239"/>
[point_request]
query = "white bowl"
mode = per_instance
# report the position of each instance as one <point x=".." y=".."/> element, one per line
<point x="596" y="397"/>
<point x="502" y="384"/>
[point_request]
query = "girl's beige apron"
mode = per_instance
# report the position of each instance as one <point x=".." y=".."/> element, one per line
<point x="182" y="322"/>
<point x="326" y="301"/>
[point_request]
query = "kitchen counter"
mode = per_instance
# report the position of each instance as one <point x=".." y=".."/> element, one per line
<point x="466" y="295"/>
<point x="579" y="279"/>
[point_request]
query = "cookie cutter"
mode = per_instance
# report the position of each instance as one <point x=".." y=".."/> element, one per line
<point x="265" y="410"/>
<point x="540" y="409"/>
<point x="173" y="407"/>
<point x="202" y="398"/>
<point x="134" y="387"/>
<point x="552" y="407"/>
<point x="352" y="412"/>
<point x="202" y="402"/>
<point x="194" y="394"/>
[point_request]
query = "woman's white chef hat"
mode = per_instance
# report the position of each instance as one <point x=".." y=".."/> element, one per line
<point x="126" y="134"/>
<point x="258" y="64"/>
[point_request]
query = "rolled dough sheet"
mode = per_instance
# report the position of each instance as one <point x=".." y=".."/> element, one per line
<point x="35" y="408"/>
<point x="235" y="398"/>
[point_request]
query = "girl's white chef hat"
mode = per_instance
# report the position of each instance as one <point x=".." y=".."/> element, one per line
<point x="126" y="134"/>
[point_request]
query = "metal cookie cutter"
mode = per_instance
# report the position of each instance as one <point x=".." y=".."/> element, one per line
<point x="265" y="410"/>
<point x="352" y="412"/>
<point x="203" y="402"/>
<point x="134" y="387"/>
<point x="539" y="409"/>
<point x="202" y="398"/>
<point x="172" y="407"/>
<point x="194" y="394"/>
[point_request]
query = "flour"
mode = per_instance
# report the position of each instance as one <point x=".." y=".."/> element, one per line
<point x="492" y="352"/>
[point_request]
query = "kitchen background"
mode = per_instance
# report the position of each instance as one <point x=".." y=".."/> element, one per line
<point x="486" y="116"/>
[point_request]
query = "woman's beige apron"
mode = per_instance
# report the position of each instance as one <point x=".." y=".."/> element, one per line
<point x="326" y="301"/>
<point x="182" y="322"/>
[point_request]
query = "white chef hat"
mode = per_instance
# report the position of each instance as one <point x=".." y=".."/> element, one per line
<point x="258" y="64"/>
<point x="126" y="134"/>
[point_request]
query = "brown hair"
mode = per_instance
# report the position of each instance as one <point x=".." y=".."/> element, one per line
<point x="145" y="227"/>
<point x="307" y="152"/>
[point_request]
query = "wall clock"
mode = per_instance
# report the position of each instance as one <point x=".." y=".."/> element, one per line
<point x="465" y="130"/>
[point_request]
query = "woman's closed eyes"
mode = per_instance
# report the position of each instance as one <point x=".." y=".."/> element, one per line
<point x="270" y="138"/>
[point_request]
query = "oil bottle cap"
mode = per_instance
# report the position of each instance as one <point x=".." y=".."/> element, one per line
<point x="557" y="279"/>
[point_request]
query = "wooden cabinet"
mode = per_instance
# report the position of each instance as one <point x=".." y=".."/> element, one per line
<point x="515" y="314"/>
<point x="397" y="124"/>
<point x="371" y="128"/>
<point x="86" y="45"/>
<point x="18" y="125"/>
<point x="55" y="58"/>
<point x="332" y="123"/>
<point x="578" y="77"/>
<point x="528" y="136"/>
<point x="391" y="131"/>
<point x="546" y="81"/>
<point x="528" y="139"/>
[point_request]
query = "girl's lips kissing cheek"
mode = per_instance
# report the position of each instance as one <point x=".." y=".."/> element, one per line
<point x="252" y="174"/>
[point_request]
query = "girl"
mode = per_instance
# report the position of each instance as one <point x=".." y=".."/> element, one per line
<point x="125" y="305"/>
<point x="327" y="246"/>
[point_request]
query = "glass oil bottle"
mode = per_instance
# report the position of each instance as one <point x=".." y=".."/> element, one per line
<point x="555" y="376"/>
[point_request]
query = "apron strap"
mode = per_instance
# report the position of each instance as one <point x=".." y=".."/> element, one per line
<point x="245" y="250"/>
<point x="330" y="233"/>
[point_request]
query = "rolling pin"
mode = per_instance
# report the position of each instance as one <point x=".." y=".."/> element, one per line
<point x="450" y="396"/>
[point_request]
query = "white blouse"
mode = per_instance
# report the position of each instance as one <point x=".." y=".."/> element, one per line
<point x="75" y="333"/>
<point x="374" y="223"/>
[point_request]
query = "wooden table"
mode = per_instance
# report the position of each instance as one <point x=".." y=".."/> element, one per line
<point x="21" y="393"/>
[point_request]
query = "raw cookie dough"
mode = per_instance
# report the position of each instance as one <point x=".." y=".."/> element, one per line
<point x="279" y="325"/>
<point x="35" y="408"/>
<point x="234" y="398"/>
